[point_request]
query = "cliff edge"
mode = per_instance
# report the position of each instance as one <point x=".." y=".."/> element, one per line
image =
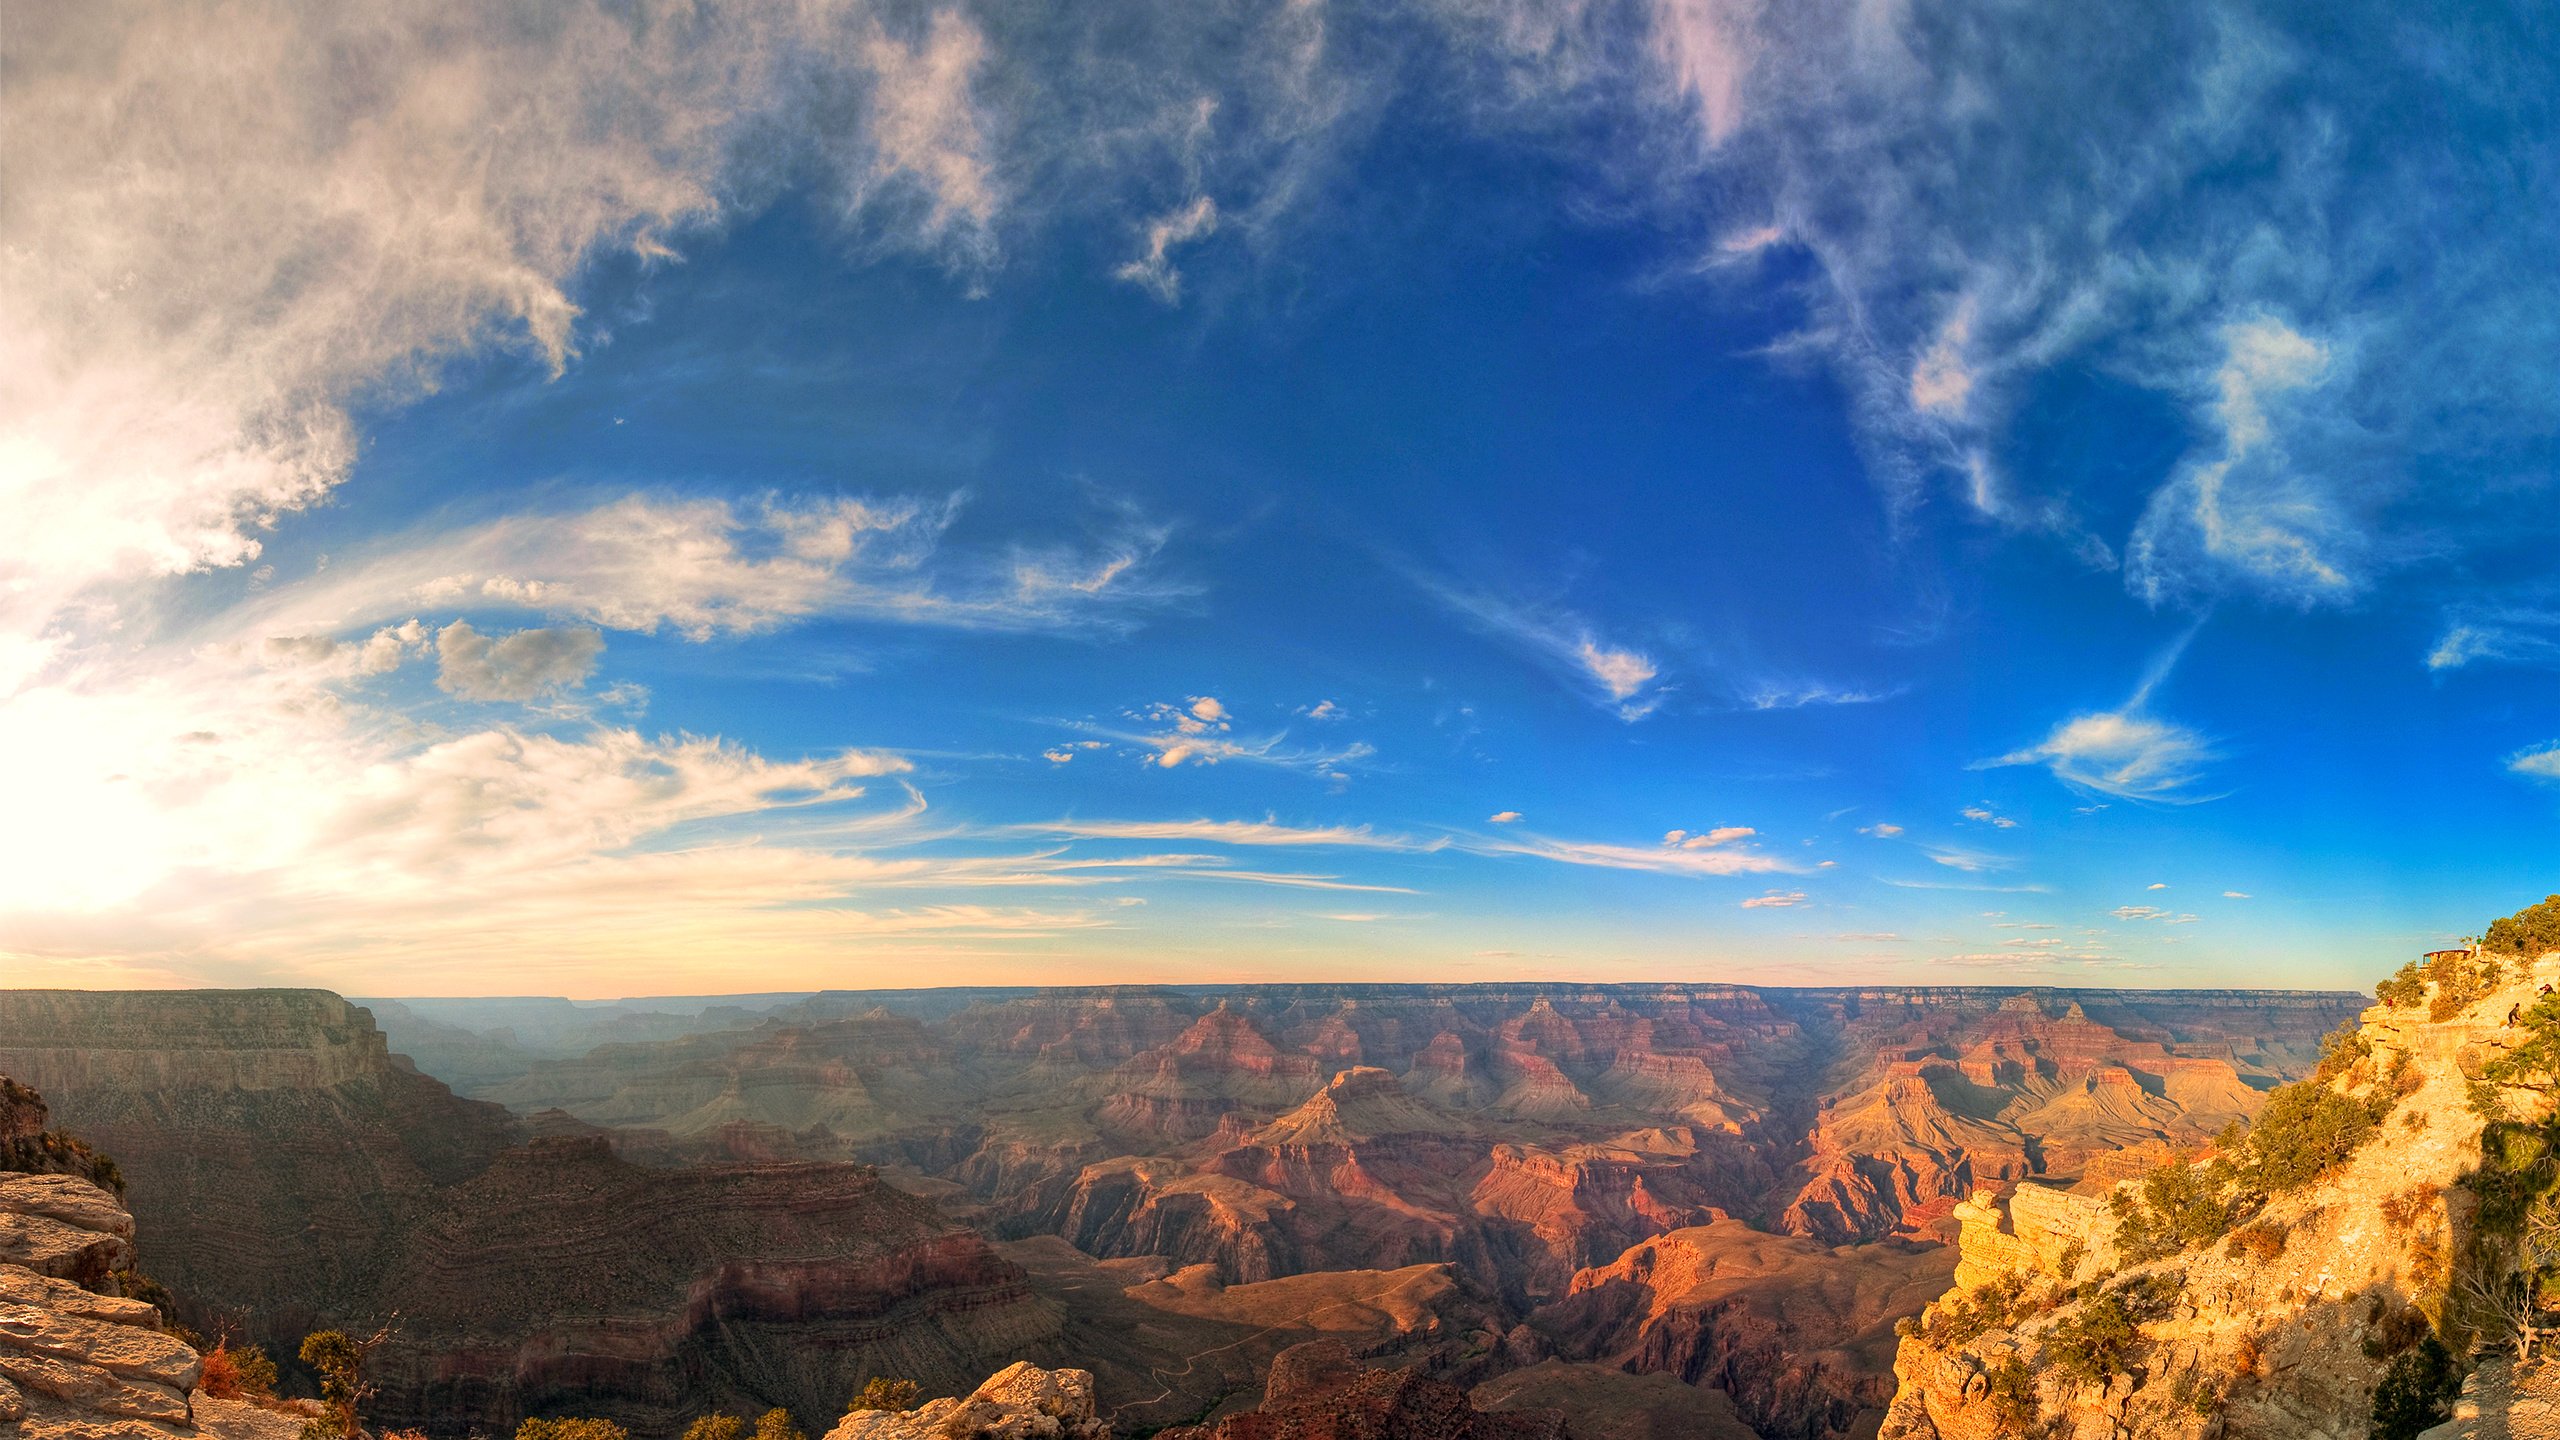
<point x="2331" y="1271"/>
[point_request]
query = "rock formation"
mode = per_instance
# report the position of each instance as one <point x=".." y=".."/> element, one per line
<point x="1019" y="1402"/>
<point x="2261" y="1296"/>
<point x="1798" y="1334"/>
<point x="1317" y="1391"/>
<point x="77" y="1360"/>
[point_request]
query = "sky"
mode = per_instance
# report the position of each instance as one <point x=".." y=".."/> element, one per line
<point x="619" y="498"/>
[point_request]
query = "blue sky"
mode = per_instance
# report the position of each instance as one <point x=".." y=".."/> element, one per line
<point x="876" y="496"/>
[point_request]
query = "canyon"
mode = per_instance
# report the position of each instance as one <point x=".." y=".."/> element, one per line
<point x="1515" y="1189"/>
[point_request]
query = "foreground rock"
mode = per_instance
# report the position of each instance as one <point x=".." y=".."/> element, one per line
<point x="1316" y="1391"/>
<point x="1020" y="1402"/>
<point x="79" y="1364"/>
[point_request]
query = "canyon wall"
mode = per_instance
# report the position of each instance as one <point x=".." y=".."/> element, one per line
<point x="292" y="1174"/>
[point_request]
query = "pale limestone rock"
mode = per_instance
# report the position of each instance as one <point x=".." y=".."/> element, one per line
<point x="1020" y="1402"/>
<point x="78" y="1365"/>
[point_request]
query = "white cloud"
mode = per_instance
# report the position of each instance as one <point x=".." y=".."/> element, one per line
<point x="1774" y="900"/>
<point x="517" y="666"/>
<point x="1708" y="839"/>
<point x="1660" y="859"/>
<point x="2236" y="895"/>
<point x="1153" y="271"/>
<point x="2247" y="514"/>
<point x="704" y="568"/>
<point x="1293" y="881"/>
<point x="2514" y="636"/>
<point x="1985" y="816"/>
<point x="2157" y="885"/>
<point x="191" y="297"/>
<point x="1768" y="694"/>
<point x="1622" y="673"/>
<point x="926" y="129"/>
<point x="1972" y="862"/>
<point x="1058" y="756"/>
<point x="2131" y="756"/>
<point x="1616" y="677"/>
<point x="1880" y="830"/>
<point x="2539" y="763"/>
<point x="1504" y="817"/>
<point x="1322" y="710"/>
<point x="1234" y="832"/>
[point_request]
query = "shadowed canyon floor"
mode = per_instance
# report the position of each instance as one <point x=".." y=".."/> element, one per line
<point x="774" y="1199"/>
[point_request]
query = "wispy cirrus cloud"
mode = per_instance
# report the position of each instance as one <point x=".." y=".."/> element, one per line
<point x="1201" y="731"/>
<point x="2352" y="408"/>
<point x="712" y="567"/>
<point x="2506" y="635"/>
<point x="1266" y="831"/>
<point x="2126" y="752"/>
<point x="1617" y="677"/>
<point x="1665" y="859"/>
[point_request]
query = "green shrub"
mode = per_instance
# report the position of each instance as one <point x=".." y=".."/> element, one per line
<point x="2306" y="1130"/>
<point x="2416" y="1391"/>
<point x="2178" y="1205"/>
<point x="883" y="1393"/>
<point x="2404" y="989"/>
<point x="2097" y="1343"/>
<point x="1992" y="1305"/>
<point x="2340" y="1049"/>
<point x="2534" y="930"/>
<point x="571" y="1430"/>
<point x="774" y="1424"/>
<point x="237" y="1372"/>
<point x="2459" y="980"/>
<point x="716" y="1427"/>
<point x="2012" y="1396"/>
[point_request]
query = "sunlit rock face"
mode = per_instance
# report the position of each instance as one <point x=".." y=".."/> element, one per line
<point x="2280" y="1328"/>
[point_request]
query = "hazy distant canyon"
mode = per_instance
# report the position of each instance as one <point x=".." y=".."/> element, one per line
<point x="1586" y="1192"/>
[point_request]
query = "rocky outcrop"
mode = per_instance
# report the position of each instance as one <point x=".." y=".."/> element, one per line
<point x="1317" y="1391"/>
<point x="1019" y="1402"/>
<point x="77" y="1361"/>
<point x="2279" y="1329"/>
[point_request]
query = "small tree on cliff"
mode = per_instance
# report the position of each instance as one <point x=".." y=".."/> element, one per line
<point x="716" y="1427"/>
<point x="883" y="1393"/>
<point x="2534" y="930"/>
<point x="571" y="1430"/>
<point x="241" y="1372"/>
<point x="338" y="1358"/>
<point x="776" y="1424"/>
